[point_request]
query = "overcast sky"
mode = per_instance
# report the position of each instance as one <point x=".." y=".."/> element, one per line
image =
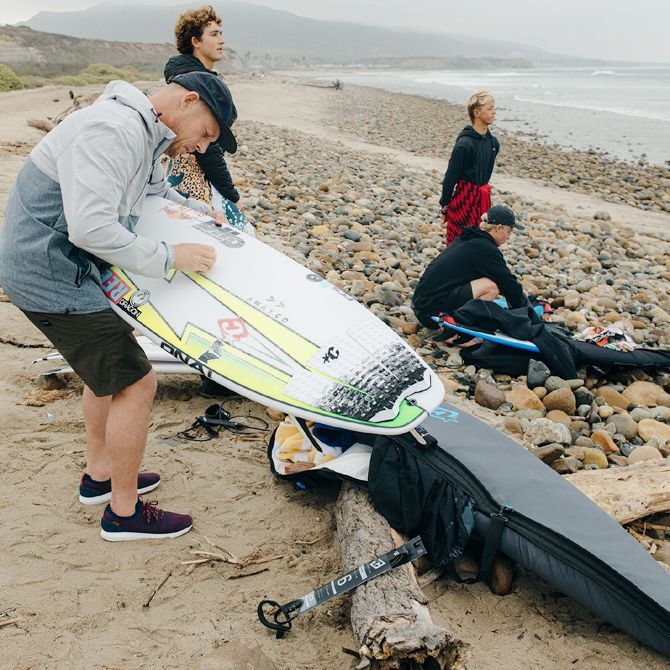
<point x="609" y="29"/>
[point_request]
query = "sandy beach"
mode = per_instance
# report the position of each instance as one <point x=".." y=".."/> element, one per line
<point x="308" y="154"/>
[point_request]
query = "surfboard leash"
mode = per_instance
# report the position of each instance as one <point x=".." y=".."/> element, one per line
<point x="217" y="417"/>
<point x="280" y="617"/>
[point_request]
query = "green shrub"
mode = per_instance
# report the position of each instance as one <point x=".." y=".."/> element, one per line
<point x="8" y="79"/>
<point x="101" y="73"/>
<point x="69" y="80"/>
<point x="33" y="81"/>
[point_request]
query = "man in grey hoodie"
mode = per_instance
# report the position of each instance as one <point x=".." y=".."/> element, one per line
<point x="74" y="206"/>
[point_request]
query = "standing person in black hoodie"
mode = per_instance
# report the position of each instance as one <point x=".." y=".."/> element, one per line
<point x="466" y="193"/>
<point x="471" y="268"/>
<point x="199" y="41"/>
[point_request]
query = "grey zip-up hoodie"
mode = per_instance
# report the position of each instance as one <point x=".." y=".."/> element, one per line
<point x="78" y="198"/>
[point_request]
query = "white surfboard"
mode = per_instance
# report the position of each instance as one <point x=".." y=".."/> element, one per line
<point x="172" y="367"/>
<point x="268" y="328"/>
<point x="151" y="349"/>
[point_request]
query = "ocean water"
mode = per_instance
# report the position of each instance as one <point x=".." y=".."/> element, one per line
<point x="623" y="110"/>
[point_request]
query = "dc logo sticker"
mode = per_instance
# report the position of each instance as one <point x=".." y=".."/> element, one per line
<point x="139" y="298"/>
<point x="444" y="414"/>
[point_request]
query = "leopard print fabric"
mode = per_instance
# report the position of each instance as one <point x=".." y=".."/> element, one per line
<point x="186" y="176"/>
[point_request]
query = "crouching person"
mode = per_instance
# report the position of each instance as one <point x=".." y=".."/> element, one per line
<point x="472" y="267"/>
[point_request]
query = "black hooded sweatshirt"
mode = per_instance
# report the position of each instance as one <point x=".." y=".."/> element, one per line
<point x="473" y="255"/>
<point x="472" y="159"/>
<point x="212" y="162"/>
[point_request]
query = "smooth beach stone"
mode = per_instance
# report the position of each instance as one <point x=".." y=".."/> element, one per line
<point x="604" y="440"/>
<point x="575" y="452"/>
<point x="561" y="399"/>
<point x="571" y="300"/>
<point x="513" y="425"/>
<point x="540" y="392"/>
<point x="454" y="360"/>
<point x="538" y="373"/>
<point x="549" y="453"/>
<point x="649" y="429"/>
<point x="542" y="431"/>
<point x="566" y="466"/>
<point x="530" y="414"/>
<point x="646" y="394"/>
<point x="625" y="424"/>
<point x="605" y="411"/>
<point x="581" y="427"/>
<point x="618" y="460"/>
<point x="640" y="413"/>
<point x="488" y="395"/>
<point x="583" y="396"/>
<point x="660" y="413"/>
<point x="522" y="397"/>
<point x="595" y="457"/>
<point x="553" y="383"/>
<point x="584" y="441"/>
<point x="644" y="453"/>
<point x="559" y="416"/>
<point x="584" y="410"/>
<point x="612" y="397"/>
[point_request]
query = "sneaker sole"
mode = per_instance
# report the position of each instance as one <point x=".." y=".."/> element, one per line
<point x="111" y="536"/>
<point x="106" y="497"/>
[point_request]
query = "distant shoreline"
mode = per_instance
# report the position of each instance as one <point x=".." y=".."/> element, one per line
<point x="623" y="116"/>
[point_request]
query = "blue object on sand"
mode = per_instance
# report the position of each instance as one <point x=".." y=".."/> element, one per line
<point x="498" y="338"/>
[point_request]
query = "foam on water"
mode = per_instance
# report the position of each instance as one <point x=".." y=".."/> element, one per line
<point x="625" y="111"/>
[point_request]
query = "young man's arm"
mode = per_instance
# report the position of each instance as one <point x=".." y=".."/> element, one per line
<point x="497" y="271"/>
<point x="453" y="174"/>
<point x="94" y="173"/>
<point x="214" y="166"/>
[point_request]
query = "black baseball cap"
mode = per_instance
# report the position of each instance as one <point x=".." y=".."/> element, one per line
<point x="502" y="216"/>
<point x="216" y="95"/>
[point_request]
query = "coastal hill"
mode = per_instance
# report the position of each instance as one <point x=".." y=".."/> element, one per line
<point x="46" y="54"/>
<point x="273" y="37"/>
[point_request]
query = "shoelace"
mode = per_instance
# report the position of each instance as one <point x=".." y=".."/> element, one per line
<point x="151" y="511"/>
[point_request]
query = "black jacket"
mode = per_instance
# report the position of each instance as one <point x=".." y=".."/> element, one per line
<point x="472" y="159"/>
<point x="212" y="162"/>
<point x="472" y="255"/>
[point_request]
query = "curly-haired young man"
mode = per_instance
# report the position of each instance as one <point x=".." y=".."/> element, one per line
<point x="199" y="40"/>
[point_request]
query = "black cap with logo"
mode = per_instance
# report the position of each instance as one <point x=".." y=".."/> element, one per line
<point x="502" y="216"/>
<point x="216" y="95"/>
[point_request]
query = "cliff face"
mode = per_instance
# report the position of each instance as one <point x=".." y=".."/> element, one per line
<point x="29" y="51"/>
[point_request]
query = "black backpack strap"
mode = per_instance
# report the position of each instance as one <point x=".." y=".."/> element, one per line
<point x="306" y="432"/>
<point x="491" y="545"/>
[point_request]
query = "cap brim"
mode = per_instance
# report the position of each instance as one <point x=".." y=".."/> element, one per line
<point x="227" y="140"/>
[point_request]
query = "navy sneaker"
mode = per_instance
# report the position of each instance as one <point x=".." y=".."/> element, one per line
<point x="95" y="493"/>
<point x="148" y="522"/>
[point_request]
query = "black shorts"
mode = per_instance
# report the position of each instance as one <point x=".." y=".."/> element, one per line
<point x="100" y="347"/>
<point x="451" y="300"/>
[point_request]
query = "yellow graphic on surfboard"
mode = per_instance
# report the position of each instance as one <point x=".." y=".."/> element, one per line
<point x="204" y="350"/>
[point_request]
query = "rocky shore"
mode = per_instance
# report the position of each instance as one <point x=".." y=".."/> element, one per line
<point x="382" y="118"/>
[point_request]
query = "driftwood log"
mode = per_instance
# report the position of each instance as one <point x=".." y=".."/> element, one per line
<point x="389" y="616"/>
<point x="48" y="124"/>
<point x="627" y="493"/>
